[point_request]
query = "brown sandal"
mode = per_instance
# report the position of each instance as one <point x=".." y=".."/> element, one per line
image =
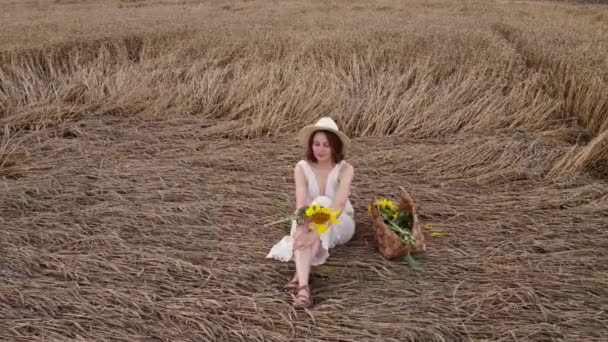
<point x="302" y="301"/>
<point x="291" y="287"/>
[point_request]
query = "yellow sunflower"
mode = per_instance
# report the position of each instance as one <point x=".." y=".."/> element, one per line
<point x="321" y="216"/>
<point x="387" y="206"/>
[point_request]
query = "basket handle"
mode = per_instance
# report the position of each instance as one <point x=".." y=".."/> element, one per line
<point x="406" y="201"/>
<point x="373" y="209"/>
<point x="406" y="194"/>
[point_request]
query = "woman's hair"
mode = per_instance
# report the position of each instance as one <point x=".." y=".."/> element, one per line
<point x="334" y="142"/>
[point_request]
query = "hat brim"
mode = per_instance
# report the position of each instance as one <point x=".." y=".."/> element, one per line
<point x="306" y="132"/>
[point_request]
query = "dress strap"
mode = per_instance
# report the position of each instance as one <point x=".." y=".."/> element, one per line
<point x="310" y="175"/>
<point x="311" y="179"/>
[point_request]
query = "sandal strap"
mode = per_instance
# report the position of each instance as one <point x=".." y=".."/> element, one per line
<point x="304" y="287"/>
<point x="302" y="300"/>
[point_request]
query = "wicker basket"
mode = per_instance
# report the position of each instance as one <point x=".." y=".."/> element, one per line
<point x="388" y="243"/>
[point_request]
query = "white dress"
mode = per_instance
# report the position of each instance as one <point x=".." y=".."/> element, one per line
<point x="338" y="234"/>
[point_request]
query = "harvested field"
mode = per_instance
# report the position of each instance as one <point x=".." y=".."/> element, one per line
<point x="144" y="144"/>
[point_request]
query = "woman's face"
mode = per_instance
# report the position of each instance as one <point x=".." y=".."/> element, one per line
<point x="320" y="147"/>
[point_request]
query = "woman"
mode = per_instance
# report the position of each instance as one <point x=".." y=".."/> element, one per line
<point x="323" y="177"/>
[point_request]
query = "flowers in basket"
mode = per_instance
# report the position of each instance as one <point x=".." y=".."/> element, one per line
<point x="397" y="229"/>
<point x="318" y="214"/>
<point x="400" y="221"/>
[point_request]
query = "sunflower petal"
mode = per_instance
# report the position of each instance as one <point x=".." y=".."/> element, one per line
<point x="322" y="228"/>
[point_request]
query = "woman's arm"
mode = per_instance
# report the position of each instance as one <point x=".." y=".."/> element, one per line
<point x="303" y="237"/>
<point x="345" y="179"/>
<point x="301" y="186"/>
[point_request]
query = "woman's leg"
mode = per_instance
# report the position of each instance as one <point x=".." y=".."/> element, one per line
<point x="303" y="258"/>
<point x="315" y="250"/>
<point x="294" y="282"/>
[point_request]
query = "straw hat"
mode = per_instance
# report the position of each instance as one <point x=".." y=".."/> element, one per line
<point x="327" y="124"/>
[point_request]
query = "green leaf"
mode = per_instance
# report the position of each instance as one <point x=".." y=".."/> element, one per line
<point x="413" y="263"/>
<point x="403" y="231"/>
<point x="404" y="219"/>
<point x="385" y="216"/>
<point x="302" y="211"/>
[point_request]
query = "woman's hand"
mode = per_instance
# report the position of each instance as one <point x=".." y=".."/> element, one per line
<point x="305" y="237"/>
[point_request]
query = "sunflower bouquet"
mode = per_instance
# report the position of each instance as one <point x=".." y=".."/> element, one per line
<point x="318" y="215"/>
<point x="397" y="229"/>
<point x="400" y="221"/>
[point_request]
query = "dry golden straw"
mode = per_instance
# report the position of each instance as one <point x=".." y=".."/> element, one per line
<point x="143" y="145"/>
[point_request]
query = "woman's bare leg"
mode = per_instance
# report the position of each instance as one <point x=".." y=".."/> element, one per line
<point x="293" y="284"/>
<point x="303" y="259"/>
<point x="315" y="250"/>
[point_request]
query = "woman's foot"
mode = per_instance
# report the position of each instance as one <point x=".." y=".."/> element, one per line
<point x="292" y="286"/>
<point x="303" y="298"/>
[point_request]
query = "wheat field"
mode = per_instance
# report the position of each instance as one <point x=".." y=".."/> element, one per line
<point x="143" y="145"/>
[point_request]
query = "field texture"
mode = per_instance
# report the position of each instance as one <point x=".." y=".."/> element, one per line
<point x="143" y="144"/>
